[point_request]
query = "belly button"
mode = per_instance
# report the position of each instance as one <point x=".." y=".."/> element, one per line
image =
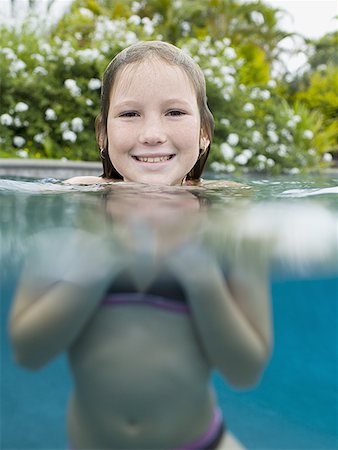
<point x="132" y="425"/>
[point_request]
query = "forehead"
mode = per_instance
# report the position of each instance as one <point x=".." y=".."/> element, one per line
<point x="155" y="74"/>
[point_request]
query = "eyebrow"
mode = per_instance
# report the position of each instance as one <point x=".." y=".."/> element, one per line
<point x="130" y="103"/>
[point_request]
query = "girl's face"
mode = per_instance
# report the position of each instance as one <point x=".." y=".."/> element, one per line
<point x="153" y="124"/>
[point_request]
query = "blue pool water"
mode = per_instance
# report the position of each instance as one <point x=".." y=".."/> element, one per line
<point x="294" y="407"/>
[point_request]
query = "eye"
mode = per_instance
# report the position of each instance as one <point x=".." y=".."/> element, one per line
<point x="129" y="114"/>
<point x="175" y="113"/>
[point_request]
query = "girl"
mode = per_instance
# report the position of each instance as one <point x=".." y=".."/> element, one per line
<point x="144" y="325"/>
<point x="155" y="126"/>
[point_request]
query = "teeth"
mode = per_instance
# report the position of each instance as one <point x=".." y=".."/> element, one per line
<point x="153" y="160"/>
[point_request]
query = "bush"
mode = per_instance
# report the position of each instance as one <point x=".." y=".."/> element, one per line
<point x="51" y="90"/>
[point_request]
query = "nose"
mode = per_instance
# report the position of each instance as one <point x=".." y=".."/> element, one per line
<point x="152" y="133"/>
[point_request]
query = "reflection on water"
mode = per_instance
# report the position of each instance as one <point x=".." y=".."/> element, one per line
<point x="291" y="222"/>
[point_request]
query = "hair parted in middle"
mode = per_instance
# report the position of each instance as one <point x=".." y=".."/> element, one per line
<point x="137" y="53"/>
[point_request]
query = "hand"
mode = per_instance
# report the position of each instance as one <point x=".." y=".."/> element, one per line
<point x="72" y="255"/>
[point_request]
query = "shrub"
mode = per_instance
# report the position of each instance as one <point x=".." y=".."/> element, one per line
<point x="51" y="89"/>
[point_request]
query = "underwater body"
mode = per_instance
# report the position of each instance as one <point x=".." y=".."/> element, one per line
<point x="291" y="222"/>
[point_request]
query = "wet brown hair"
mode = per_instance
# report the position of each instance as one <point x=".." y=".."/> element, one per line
<point x="137" y="53"/>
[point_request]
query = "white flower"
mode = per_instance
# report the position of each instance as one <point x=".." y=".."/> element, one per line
<point x="256" y="137"/>
<point x="72" y="87"/>
<point x="229" y="79"/>
<point x="248" y="107"/>
<point x="225" y="122"/>
<point x="40" y="70"/>
<point x="89" y="54"/>
<point x="265" y="94"/>
<point x="249" y="123"/>
<point x="69" y="61"/>
<point x="282" y="151"/>
<point x="38" y="57"/>
<point x="322" y="67"/>
<point x="136" y="6"/>
<point x="218" y="82"/>
<point x="217" y="167"/>
<point x="257" y="17"/>
<point x="227" y="151"/>
<point x="208" y="72"/>
<point x="148" y="28"/>
<point x="241" y="159"/>
<point x="50" y="114"/>
<point x="272" y="84"/>
<point x="6" y="119"/>
<point x="273" y="136"/>
<point x="46" y="48"/>
<point x="226" y="70"/>
<point x="270" y="162"/>
<point x="311" y="151"/>
<point x="215" y="62"/>
<point x="261" y="158"/>
<point x="134" y="19"/>
<point x="130" y="37"/>
<point x="233" y="139"/>
<point x="16" y="66"/>
<point x="185" y="27"/>
<point x="21" y="107"/>
<point x="39" y="137"/>
<point x="94" y="83"/>
<point x="229" y="53"/>
<point x="254" y="93"/>
<point x="69" y="135"/>
<point x="308" y="134"/>
<point x="327" y="157"/>
<point x="294" y="171"/>
<point x="86" y="12"/>
<point x="89" y="102"/>
<point x="77" y="124"/>
<point x="19" y="141"/>
<point x="230" y="168"/>
<point x="17" y="122"/>
<point x="9" y="53"/>
<point x="286" y="133"/>
<point x="247" y="152"/>
<point x="22" y="153"/>
<point x="64" y="126"/>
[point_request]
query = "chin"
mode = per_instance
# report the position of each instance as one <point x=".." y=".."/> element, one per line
<point x="160" y="180"/>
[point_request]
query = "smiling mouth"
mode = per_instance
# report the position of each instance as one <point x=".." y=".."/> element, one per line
<point x="153" y="159"/>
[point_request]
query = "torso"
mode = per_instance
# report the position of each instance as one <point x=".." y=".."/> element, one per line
<point x="141" y="378"/>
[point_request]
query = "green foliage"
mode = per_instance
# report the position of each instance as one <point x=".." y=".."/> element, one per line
<point x="51" y="83"/>
<point x="317" y="88"/>
<point x="324" y="51"/>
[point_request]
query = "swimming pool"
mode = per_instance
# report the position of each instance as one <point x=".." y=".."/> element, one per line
<point x="294" y="406"/>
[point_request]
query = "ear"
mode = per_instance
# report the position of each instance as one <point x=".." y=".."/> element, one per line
<point x="204" y="141"/>
<point x="101" y="137"/>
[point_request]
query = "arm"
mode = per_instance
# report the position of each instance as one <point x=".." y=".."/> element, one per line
<point x="63" y="280"/>
<point x="232" y="318"/>
<point x="86" y="180"/>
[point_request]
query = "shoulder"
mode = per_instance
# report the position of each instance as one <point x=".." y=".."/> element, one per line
<point x="87" y="180"/>
<point x="215" y="184"/>
<point x="221" y="184"/>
